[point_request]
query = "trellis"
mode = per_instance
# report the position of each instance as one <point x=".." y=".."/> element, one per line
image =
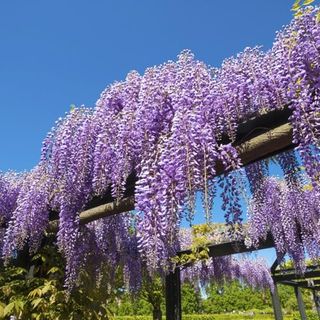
<point x="96" y="152"/>
<point x="309" y="280"/>
<point x="257" y="138"/>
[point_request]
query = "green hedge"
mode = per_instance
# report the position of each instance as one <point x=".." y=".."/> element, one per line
<point x="206" y="317"/>
<point x="256" y="316"/>
<point x="310" y="316"/>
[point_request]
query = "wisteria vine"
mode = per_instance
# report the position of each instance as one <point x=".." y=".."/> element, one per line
<point x="166" y="128"/>
<point x="292" y="216"/>
<point x="221" y="270"/>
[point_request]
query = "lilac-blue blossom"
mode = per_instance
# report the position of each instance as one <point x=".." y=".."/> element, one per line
<point x="165" y="127"/>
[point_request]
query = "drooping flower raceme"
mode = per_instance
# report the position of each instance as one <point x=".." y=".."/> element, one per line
<point x="220" y="270"/>
<point x="10" y="185"/>
<point x="292" y="216"/>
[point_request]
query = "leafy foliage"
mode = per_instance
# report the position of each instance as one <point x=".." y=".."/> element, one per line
<point x="38" y="293"/>
<point x="169" y="128"/>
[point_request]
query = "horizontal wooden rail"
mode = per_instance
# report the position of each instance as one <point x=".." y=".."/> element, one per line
<point x="102" y="211"/>
<point x="266" y="144"/>
<point x="233" y="247"/>
<point x="309" y="273"/>
<point x="308" y="284"/>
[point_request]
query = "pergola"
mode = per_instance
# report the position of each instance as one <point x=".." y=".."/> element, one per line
<point x="258" y="138"/>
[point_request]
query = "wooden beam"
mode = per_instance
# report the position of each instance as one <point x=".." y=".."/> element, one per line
<point x="293" y="270"/>
<point x="102" y="211"/>
<point x="266" y="144"/>
<point x="261" y="146"/>
<point x="234" y="247"/>
<point x="173" y="295"/>
<point x="301" y="307"/>
<point x="108" y="209"/>
<point x="276" y="304"/>
<point x="293" y="276"/>
<point x="307" y="284"/>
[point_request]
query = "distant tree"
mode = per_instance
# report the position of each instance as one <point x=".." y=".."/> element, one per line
<point x="234" y="296"/>
<point x="289" y="301"/>
<point x="153" y="292"/>
<point x="191" y="299"/>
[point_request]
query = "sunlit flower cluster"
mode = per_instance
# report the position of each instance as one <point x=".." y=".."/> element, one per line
<point x="221" y="270"/>
<point x="293" y="217"/>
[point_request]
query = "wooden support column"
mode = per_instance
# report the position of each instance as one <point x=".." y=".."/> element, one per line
<point x="316" y="300"/>
<point x="301" y="307"/>
<point x="173" y="295"/>
<point x="276" y="304"/>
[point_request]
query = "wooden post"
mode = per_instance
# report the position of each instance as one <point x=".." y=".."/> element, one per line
<point x="276" y="303"/>
<point x="173" y="295"/>
<point x="316" y="300"/>
<point x="301" y="307"/>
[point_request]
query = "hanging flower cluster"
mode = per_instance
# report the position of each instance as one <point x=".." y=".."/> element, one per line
<point x="254" y="273"/>
<point x="292" y="216"/>
<point x="115" y="240"/>
<point x="10" y="185"/>
<point x="165" y="127"/>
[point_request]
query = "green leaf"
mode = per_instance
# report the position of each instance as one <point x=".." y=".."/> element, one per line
<point x="1" y="310"/>
<point x="36" y="256"/>
<point x="46" y="288"/>
<point x="307" y="2"/>
<point x="36" y="302"/>
<point x="35" y="292"/>
<point x="8" y="309"/>
<point x="53" y="270"/>
<point x="296" y="5"/>
<point x="18" y="305"/>
<point x="19" y="271"/>
<point x="318" y="17"/>
<point x="39" y="256"/>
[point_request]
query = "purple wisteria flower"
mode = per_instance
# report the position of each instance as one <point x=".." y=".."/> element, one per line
<point x="170" y="128"/>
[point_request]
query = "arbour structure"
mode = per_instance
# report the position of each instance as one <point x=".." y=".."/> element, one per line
<point x="173" y="292"/>
<point x="288" y="276"/>
<point x="257" y="139"/>
<point x="170" y="130"/>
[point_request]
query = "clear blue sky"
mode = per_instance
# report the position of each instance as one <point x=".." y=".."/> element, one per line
<point x="57" y="53"/>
